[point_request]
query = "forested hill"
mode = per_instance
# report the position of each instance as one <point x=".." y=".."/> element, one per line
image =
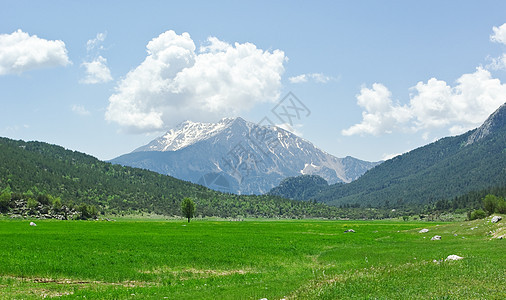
<point x="444" y="169"/>
<point x="303" y="187"/>
<point x="37" y="167"/>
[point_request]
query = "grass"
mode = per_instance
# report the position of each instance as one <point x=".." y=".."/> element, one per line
<point x="309" y="259"/>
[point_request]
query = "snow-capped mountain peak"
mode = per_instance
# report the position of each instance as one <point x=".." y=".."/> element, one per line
<point x="251" y="158"/>
<point x="186" y="134"/>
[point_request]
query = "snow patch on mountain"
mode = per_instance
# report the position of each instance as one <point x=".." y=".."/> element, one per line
<point x="185" y="134"/>
<point x="252" y="158"/>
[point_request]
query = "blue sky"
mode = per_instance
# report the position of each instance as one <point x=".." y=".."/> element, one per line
<point x="379" y="77"/>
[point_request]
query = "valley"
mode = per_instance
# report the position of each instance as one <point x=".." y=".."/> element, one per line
<point x="263" y="150"/>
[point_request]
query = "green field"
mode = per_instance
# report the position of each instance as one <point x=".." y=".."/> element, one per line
<point x="307" y="259"/>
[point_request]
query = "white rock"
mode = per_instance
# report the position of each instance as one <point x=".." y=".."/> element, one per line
<point x="423" y="230"/>
<point x="436" y="238"/>
<point x="32" y="224"/>
<point x="453" y="257"/>
<point x="496" y="219"/>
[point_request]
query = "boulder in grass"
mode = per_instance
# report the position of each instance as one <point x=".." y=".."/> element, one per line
<point x="436" y="238"/>
<point x="423" y="230"/>
<point x="453" y="257"/>
<point x="32" y="224"/>
<point x="496" y="219"/>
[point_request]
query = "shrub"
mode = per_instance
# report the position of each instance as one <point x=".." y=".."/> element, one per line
<point x="478" y="214"/>
<point x="87" y="211"/>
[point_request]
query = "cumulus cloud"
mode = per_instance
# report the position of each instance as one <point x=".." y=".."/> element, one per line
<point x="499" y="35"/>
<point x="21" y="52"/>
<point x="96" y="68"/>
<point x="96" y="71"/>
<point x="80" y="110"/>
<point x="175" y="82"/>
<point x="497" y="63"/>
<point x="381" y="114"/>
<point x="316" y="77"/>
<point x="433" y="105"/>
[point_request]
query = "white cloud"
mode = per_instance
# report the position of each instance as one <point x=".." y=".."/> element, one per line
<point x="96" y="71"/>
<point x="96" y="42"/>
<point x="380" y="114"/>
<point x="499" y="35"/>
<point x="433" y="105"/>
<point x="175" y="83"/>
<point x="14" y="129"/>
<point x="96" y="66"/>
<point x="498" y="63"/>
<point x="80" y="110"/>
<point x="298" y="79"/>
<point x="214" y="45"/>
<point x="21" y="52"/>
<point x="316" y="77"/>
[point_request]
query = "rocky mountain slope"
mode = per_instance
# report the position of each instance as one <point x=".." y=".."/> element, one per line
<point x="444" y="169"/>
<point x="237" y="156"/>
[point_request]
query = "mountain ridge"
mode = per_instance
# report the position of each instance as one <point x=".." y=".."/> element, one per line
<point x="449" y="167"/>
<point x="251" y="158"/>
<point x="29" y="169"/>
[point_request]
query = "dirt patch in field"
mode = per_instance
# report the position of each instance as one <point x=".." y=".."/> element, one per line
<point x="192" y="271"/>
<point x="65" y="281"/>
<point x="218" y="273"/>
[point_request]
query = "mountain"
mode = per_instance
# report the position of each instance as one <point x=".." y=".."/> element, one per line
<point x="237" y="156"/>
<point x="445" y="169"/>
<point x="31" y="169"/>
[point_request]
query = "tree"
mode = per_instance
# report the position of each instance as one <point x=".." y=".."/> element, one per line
<point x="5" y="198"/>
<point x="57" y="204"/>
<point x="490" y="203"/>
<point x="188" y="208"/>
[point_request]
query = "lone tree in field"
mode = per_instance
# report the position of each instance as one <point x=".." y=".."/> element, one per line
<point x="188" y="208"/>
